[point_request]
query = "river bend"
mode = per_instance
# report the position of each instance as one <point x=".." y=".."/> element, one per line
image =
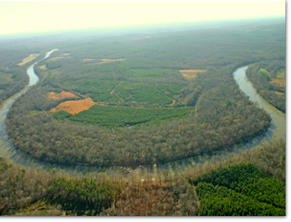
<point x="7" y="149"/>
<point x="276" y="131"/>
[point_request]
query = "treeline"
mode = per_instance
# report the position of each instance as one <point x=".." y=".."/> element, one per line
<point x="246" y="183"/>
<point x="269" y="79"/>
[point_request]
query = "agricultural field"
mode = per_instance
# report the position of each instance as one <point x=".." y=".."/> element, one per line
<point x="128" y="96"/>
<point x="75" y="106"/>
<point x="28" y="59"/>
<point x="111" y="117"/>
<point x="101" y="61"/>
<point x="61" y="95"/>
<point x="135" y="87"/>
<point x="191" y="74"/>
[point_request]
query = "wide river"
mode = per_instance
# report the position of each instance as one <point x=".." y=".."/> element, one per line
<point x="276" y="131"/>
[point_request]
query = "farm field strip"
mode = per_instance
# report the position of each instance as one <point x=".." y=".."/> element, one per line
<point x="191" y="74"/>
<point x="101" y="61"/>
<point x="28" y="59"/>
<point x="116" y="116"/>
<point x="279" y="82"/>
<point x="74" y="106"/>
<point x="61" y="95"/>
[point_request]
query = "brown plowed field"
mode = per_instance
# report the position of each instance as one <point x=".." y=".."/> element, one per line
<point x="279" y="82"/>
<point x="101" y="61"/>
<point x="279" y="93"/>
<point x="28" y="59"/>
<point x="191" y="74"/>
<point x="74" y="106"/>
<point x="61" y="95"/>
<point x="88" y="60"/>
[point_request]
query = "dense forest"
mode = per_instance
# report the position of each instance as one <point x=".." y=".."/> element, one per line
<point x="269" y="78"/>
<point x="243" y="188"/>
<point x="163" y="116"/>
<point x="12" y="78"/>
<point x="202" y="189"/>
<point x="132" y="103"/>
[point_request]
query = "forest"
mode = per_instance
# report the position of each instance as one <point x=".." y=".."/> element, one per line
<point x="202" y="189"/>
<point x="12" y="78"/>
<point x="148" y="100"/>
<point x="270" y="81"/>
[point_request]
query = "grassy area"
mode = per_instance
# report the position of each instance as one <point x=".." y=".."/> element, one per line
<point x="142" y="93"/>
<point x="129" y="86"/>
<point x="98" y="89"/>
<point x="108" y="116"/>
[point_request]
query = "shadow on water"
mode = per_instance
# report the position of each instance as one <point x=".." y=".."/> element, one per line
<point x="275" y="131"/>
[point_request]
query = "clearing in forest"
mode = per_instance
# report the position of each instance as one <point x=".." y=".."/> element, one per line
<point x="279" y="93"/>
<point x="74" y="106"/>
<point x="102" y="61"/>
<point x="191" y="74"/>
<point x="28" y="59"/>
<point x="279" y="82"/>
<point x="43" y="67"/>
<point x="62" y="56"/>
<point x="88" y="60"/>
<point x="61" y="95"/>
<point x="56" y="58"/>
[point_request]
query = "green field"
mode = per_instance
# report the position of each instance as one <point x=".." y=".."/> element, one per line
<point x="119" y="85"/>
<point x="111" y="117"/>
<point x="98" y="89"/>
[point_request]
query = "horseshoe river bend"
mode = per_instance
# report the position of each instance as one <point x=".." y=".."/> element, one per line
<point x="275" y="131"/>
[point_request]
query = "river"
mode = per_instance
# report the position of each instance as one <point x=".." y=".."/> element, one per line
<point x="278" y="124"/>
<point x="7" y="149"/>
<point x="276" y="131"/>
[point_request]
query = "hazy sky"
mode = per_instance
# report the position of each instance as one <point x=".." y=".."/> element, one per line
<point x="26" y="17"/>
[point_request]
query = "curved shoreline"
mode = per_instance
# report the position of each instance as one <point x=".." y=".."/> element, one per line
<point x="6" y="147"/>
<point x="278" y="124"/>
<point x="239" y="75"/>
